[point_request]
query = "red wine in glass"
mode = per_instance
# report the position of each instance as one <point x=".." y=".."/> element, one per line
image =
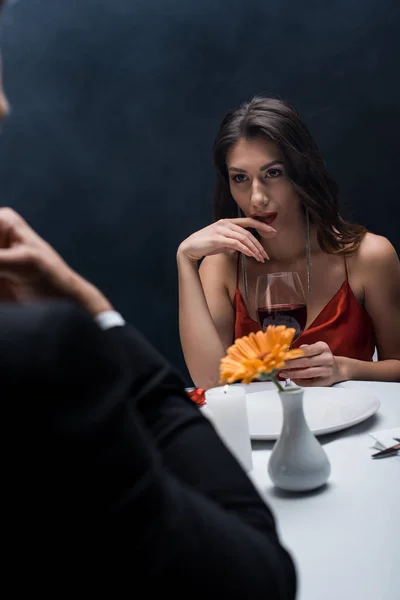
<point x="280" y="300"/>
<point x="291" y="315"/>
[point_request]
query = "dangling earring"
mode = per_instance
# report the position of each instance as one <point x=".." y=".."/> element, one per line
<point x="308" y="253"/>
<point x="243" y="263"/>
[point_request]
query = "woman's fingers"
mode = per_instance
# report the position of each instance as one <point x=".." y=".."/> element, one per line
<point x="309" y="373"/>
<point x="248" y="238"/>
<point x="225" y="231"/>
<point x="231" y="243"/>
<point x="255" y="224"/>
<point x="219" y="236"/>
<point x="318" y="382"/>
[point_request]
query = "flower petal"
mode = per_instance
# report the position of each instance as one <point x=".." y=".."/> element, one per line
<point x="257" y="354"/>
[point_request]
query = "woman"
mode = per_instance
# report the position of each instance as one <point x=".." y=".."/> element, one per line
<point x="272" y="180"/>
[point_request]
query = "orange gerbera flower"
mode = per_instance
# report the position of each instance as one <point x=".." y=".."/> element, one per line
<point x="258" y="355"/>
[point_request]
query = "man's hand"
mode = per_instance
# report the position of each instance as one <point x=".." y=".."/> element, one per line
<point x="30" y="269"/>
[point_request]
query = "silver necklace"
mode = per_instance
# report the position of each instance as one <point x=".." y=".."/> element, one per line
<point x="308" y="254"/>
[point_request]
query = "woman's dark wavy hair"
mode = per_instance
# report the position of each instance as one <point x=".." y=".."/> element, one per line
<point x="304" y="167"/>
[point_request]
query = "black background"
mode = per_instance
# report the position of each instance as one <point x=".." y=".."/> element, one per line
<point x="116" y="103"/>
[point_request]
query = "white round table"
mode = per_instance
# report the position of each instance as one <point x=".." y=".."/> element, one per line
<point x="344" y="538"/>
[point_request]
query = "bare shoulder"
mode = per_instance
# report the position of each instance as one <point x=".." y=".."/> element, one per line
<point x="375" y="266"/>
<point x="375" y="251"/>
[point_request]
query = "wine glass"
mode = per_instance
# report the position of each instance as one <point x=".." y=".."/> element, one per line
<point x="280" y="300"/>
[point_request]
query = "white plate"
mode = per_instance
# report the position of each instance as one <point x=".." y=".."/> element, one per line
<point x="326" y="409"/>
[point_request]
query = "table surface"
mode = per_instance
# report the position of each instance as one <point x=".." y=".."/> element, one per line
<point x="345" y="537"/>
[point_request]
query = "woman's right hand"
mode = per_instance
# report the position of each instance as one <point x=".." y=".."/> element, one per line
<point x="226" y="234"/>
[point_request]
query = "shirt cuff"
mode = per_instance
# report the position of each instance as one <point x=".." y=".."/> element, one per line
<point x="109" y="318"/>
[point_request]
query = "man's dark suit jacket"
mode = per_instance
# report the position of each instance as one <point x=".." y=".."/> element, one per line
<point x="114" y="482"/>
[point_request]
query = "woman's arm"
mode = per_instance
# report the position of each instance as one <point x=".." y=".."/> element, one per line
<point x="205" y="317"/>
<point x="381" y="272"/>
<point x="378" y="266"/>
<point x="205" y="310"/>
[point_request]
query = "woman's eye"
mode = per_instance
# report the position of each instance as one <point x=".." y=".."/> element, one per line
<point x="239" y="178"/>
<point x="273" y="173"/>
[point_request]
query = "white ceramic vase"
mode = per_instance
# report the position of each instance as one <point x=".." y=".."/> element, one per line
<point x="298" y="461"/>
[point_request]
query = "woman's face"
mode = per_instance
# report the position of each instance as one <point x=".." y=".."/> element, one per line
<point x="259" y="185"/>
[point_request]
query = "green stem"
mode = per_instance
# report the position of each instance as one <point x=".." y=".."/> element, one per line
<point x="276" y="382"/>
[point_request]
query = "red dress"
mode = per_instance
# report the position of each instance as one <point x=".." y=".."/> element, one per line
<point x="343" y="324"/>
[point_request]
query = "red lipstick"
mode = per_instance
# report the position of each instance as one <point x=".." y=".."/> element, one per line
<point x="267" y="218"/>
